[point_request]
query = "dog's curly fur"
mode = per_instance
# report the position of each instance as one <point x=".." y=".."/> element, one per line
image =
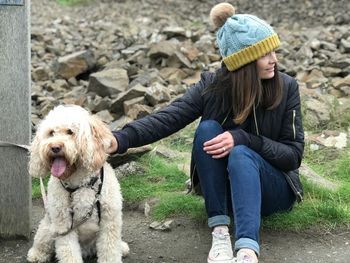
<point x="79" y="141"/>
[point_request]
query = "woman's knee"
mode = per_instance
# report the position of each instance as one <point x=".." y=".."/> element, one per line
<point x="208" y="125"/>
<point x="241" y="155"/>
<point x="240" y="151"/>
<point x="208" y="129"/>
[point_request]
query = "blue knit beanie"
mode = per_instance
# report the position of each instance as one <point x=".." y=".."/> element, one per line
<point x="241" y="38"/>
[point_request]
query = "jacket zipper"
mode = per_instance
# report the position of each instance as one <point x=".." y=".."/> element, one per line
<point x="255" y="121"/>
<point x="293" y="125"/>
<point x="296" y="192"/>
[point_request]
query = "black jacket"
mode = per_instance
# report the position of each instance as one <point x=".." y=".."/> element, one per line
<point x="277" y="135"/>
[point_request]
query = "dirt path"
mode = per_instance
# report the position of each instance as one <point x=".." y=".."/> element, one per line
<point x="189" y="242"/>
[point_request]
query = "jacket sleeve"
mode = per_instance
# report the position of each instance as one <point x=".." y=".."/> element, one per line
<point x="165" y="122"/>
<point x="286" y="152"/>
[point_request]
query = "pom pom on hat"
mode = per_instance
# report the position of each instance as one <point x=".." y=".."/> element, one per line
<point x="220" y="12"/>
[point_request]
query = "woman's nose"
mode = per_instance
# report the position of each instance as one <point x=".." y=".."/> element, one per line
<point x="273" y="57"/>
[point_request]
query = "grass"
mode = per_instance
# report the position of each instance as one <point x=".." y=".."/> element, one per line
<point x="158" y="178"/>
<point x="36" y="193"/>
<point x="162" y="180"/>
<point x="320" y="207"/>
<point x="72" y="2"/>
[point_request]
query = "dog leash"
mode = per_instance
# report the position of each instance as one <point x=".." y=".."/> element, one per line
<point x="10" y="144"/>
<point x="26" y="147"/>
<point x="43" y="192"/>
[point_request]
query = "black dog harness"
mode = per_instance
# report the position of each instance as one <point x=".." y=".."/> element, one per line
<point x="91" y="184"/>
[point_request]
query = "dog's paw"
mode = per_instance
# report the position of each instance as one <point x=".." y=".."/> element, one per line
<point x="35" y="256"/>
<point x="125" y="249"/>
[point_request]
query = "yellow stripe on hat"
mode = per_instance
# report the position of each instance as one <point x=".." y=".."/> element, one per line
<point x="251" y="53"/>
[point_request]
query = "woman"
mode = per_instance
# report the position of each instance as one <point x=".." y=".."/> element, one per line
<point x="249" y="143"/>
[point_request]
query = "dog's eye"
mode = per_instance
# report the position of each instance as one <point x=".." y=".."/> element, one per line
<point x="70" y="132"/>
<point x="51" y="133"/>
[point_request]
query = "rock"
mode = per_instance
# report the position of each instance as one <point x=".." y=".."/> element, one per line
<point x="162" y="49"/>
<point x="156" y="94"/>
<point x="171" y="31"/>
<point x="315" y="76"/>
<point x="138" y="111"/>
<point x="127" y="169"/>
<point x="168" y="48"/>
<point x="345" y="46"/>
<point x="74" y="64"/>
<point x="315" y="178"/>
<point x="137" y="91"/>
<point x="109" y="82"/>
<point x="316" y="113"/>
<point x="162" y="226"/>
<point x="342" y="82"/>
<point x="105" y="116"/>
<point x="339" y="141"/>
<point x="128" y="105"/>
<point x="178" y="59"/>
<point x="172" y="75"/>
<point x="120" y="123"/>
<point x="40" y="74"/>
<point x="99" y="103"/>
<point x="131" y="155"/>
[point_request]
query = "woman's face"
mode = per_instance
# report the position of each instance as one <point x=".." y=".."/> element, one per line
<point x="266" y="65"/>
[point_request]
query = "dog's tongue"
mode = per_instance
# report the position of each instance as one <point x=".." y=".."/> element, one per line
<point x="58" y="167"/>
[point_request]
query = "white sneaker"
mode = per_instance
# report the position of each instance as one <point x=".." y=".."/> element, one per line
<point x="246" y="256"/>
<point x="221" y="249"/>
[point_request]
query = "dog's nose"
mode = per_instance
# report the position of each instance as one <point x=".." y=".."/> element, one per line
<point x="56" y="149"/>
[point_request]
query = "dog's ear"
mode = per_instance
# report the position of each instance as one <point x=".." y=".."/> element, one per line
<point x="36" y="165"/>
<point x="96" y="147"/>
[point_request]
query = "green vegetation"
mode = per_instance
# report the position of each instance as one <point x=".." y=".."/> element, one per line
<point x="163" y="183"/>
<point x="320" y="207"/>
<point x="36" y="193"/>
<point x="72" y="2"/>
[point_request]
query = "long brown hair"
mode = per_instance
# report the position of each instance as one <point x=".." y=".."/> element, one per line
<point x="246" y="90"/>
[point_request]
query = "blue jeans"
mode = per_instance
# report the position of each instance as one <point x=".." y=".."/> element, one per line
<point x="242" y="182"/>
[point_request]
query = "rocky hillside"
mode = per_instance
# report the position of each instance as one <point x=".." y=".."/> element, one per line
<point x="124" y="59"/>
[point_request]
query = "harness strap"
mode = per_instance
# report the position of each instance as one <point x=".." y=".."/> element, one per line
<point x="98" y="204"/>
<point x="93" y="180"/>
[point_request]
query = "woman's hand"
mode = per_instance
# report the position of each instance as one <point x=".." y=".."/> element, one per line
<point x="219" y="146"/>
<point x="113" y="147"/>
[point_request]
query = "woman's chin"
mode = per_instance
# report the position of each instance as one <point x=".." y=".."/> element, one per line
<point x="267" y="75"/>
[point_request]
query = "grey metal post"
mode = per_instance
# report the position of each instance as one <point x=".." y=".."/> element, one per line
<point x="15" y="183"/>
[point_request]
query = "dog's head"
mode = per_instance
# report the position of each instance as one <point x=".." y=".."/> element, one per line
<point x="67" y="139"/>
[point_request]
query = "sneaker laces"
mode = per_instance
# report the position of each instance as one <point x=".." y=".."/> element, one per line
<point x="221" y="246"/>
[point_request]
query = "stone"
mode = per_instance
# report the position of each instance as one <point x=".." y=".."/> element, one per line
<point x="156" y="94"/>
<point x="109" y="82"/>
<point x="129" y="104"/>
<point x="74" y="64"/>
<point x="134" y="92"/>
<point x="162" y="49"/>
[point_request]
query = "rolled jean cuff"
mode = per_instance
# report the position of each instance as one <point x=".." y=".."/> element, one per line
<point x="221" y="220"/>
<point x="247" y="243"/>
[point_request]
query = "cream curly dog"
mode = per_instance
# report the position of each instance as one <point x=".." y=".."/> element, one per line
<point x="84" y="203"/>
